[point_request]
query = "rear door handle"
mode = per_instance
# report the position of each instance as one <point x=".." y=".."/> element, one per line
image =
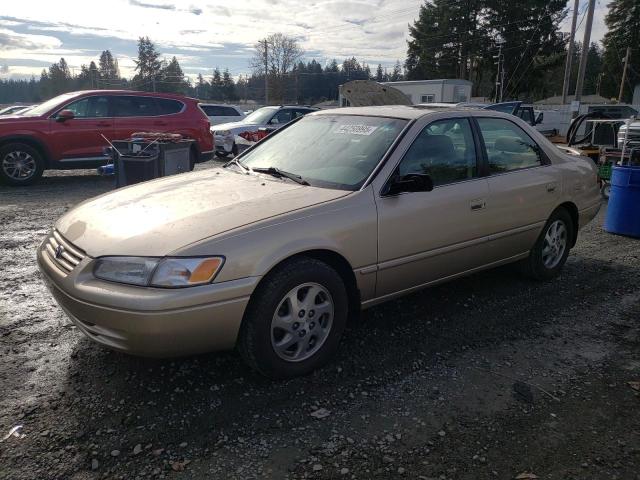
<point x="103" y="124"/>
<point x="478" y="204"/>
<point x="551" y="187"/>
<point x="161" y="124"/>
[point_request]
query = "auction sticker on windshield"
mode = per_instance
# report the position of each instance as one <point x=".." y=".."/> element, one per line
<point x="355" y="129"/>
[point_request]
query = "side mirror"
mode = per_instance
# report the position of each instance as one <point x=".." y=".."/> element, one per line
<point x="539" y="118"/>
<point x="65" y="115"/>
<point x="412" y="182"/>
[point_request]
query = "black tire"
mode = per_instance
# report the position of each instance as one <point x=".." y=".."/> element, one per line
<point x="255" y="341"/>
<point x="21" y="149"/>
<point x="534" y="265"/>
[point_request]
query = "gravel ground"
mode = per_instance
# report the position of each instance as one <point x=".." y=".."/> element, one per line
<point x="491" y="376"/>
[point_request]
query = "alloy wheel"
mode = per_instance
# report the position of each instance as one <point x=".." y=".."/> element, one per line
<point x="19" y="165"/>
<point x="555" y="244"/>
<point x="302" y="322"/>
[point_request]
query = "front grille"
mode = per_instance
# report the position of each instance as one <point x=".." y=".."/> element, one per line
<point x="62" y="253"/>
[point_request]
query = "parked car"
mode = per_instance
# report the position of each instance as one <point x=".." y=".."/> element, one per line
<point x="66" y="131"/>
<point x="341" y="210"/>
<point x="226" y="134"/>
<point x="13" y="109"/>
<point x="222" y="113"/>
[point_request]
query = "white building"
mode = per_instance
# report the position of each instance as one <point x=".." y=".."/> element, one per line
<point x="435" y="91"/>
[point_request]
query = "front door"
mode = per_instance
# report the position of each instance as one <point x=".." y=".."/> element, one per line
<point x="80" y="139"/>
<point x="427" y="236"/>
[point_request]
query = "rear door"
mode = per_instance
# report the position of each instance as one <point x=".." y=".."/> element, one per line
<point x="134" y="113"/>
<point x="524" y="186"/>
<point x="80" y="138"/>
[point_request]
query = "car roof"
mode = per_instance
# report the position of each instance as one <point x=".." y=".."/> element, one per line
<point x="131" y="92"/>
<point x="407" y="112"/>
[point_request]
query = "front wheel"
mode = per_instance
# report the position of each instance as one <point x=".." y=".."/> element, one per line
<point x="551" y="250"/>
<point x="20" y="164"/>
<point x="294" y="320"/>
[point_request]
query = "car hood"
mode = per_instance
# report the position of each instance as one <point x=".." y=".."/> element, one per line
<point x="159" y="217"/>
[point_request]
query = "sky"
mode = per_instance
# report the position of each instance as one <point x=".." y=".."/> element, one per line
<point x="209" y="33"/>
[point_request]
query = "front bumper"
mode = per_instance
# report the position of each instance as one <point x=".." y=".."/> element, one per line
<point x="149" y="321"/>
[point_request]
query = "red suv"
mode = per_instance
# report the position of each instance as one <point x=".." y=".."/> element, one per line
<point x="65" y="132"/>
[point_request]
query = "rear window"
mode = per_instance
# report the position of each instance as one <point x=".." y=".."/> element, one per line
<point x="219" y="111"/>
<point x="167" y="106"/>
<point x="132" y="106"/>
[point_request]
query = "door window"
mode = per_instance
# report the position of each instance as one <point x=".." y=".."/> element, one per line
<point x="132" y="106"/>
<point x="90" y="107"/>
<point x="444" y="150"/>
<point x="282" y="117"/>
<point x="508" y="146"/>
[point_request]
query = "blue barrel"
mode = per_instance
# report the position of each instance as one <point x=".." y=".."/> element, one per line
<point x="623" y="212"/>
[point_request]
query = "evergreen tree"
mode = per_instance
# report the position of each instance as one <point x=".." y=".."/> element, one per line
<point x="379" y="74"/>
<point x="148" y="65"/>
<point x="228" y="87"/>
<point x="172" y="79"/>
<point x="623" y="21"/>
<point x="216" y="85"/>
<point x="108" y="67"/>
<point x="59" y="78"/>
<point x="397" y="75"/>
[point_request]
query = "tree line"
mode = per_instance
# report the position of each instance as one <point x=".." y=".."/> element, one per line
<point x="449" y="39"/>
<point x="463" y="39"/>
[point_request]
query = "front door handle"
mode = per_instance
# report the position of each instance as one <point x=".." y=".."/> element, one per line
<point x="551" y="187"/>
<point x="478" y="204"/>
<point x="103" y="124"/>
<point x="161" y="124"/>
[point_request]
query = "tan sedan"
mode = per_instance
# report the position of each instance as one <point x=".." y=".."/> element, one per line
<point x="341" y="210"/>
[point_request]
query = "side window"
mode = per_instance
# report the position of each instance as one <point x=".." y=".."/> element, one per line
<point x="167" y="106"/>
<point x="525" y="114"/>
<point x="90" y="107"/>
<point x="427" y="98"/>
<point x="229" y="112"/>
<point x="212" y="110"/>
<point x="282" y="117"/>
<point x="444" y="150"/>
<point x="300" y="113"/>
<point x="131" y="106"/>
<point x="508" y="146"/>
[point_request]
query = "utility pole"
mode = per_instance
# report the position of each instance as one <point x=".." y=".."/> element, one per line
<point x="585" y="50"/>
<point x="624" y="73"/>
<point x="266" y="72"/>
<point x="569" y="61"/>
<point x="499" y="74"/>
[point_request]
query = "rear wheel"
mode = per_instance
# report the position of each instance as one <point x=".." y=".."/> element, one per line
<point x="551" y="250"/>
<point x="294" y="320"/>
<point x="20" y="164"/>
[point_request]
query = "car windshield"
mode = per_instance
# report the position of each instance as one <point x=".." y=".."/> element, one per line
<point x="262" y="115"/>
<point x="331" y="151"/>
<point x="48" y="105"/>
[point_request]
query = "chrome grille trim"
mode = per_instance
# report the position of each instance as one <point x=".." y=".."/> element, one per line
<point x="67" y="259"/>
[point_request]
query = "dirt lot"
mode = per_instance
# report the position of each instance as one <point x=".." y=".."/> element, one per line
<point x="487" y="377"/>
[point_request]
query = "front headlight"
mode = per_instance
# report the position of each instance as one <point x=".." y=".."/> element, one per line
<point x="158" y="272"/>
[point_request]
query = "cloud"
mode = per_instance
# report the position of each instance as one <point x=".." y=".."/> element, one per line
<point x="160" y="6"/>
<point x="195" y="10"/>
<point x="10" y="40"/>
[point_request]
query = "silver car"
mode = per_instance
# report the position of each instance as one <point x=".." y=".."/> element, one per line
<point x="227" y="137"/>
<point x="338" y="211"/>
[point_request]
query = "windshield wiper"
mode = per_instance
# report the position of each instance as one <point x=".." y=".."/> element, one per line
<point x="276" y="172"/>
<point x="235" y="161"/>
